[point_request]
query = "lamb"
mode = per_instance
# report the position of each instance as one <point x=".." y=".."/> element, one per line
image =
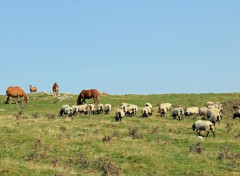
<point x="215" y="118"/>
<point x="203" y="111"/>
<point x="192" y="111"/>
<point x="99" y="108"/>
<point x="107" y="108"/>
<point x="66" y="109"/>
<point x="82" y="108"/>
<point x="119" y="114"/>
<point x="236" y="114"/>
<point x="201" y="125"/>
<point x="178" y="112"/>
<point x="91" y="108"/>
<point x="146" y="111"/>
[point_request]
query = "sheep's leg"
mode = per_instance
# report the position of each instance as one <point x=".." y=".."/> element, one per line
<point x="213" y="134"/>
<point x="207" y="133"/>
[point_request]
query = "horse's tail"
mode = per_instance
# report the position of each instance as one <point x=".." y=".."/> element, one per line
<point x="99" y="93"/>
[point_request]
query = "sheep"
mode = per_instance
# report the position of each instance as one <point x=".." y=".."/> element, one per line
<point x="126" y="104"/>
<point x="203" y="111"/>
<point x="236" y="114"/>
<point x="178" y="112"/>
<point x="134" y="107"/>
<point x="146" y="111"/>
<point x="209" y="103"/>
<point x="99" y="108"/>
<point x="107" y="108"/>
<point x="192" y="111"/>
<point x="213" y="111"/>
<point x="149" y="105"/>
<point x="66" y="109"/>
<point x="124" y="108"/>
<point x="201" y="125"/>
<point x="219" y="106"/>
<point x="119" y="114"/>
<point x="130" y="111"/>
<point x="75" y="109"/>
<point x="91" y="108"/>
<point x="214" y="118"/>
<point x="82" y="108"/>
<point x="164" y="108"/>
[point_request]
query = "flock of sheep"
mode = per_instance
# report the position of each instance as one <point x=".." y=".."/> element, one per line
<point x="213" y="111"/>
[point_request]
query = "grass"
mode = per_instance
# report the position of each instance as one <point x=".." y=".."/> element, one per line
<point x="39" y="142"/>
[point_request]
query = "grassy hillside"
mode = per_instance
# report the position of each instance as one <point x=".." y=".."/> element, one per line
<point x="36" y="141"/>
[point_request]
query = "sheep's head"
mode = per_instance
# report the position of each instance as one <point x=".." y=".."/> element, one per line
<point x="194" y="127"/>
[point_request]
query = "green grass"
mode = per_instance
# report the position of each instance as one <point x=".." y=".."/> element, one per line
<point x="36" y="145"/>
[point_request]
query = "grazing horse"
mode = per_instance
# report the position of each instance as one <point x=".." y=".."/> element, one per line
<point x="55" y="89"/>
<point x="88" y="94"/>
<point x="16" y="92"/>
<point x="32" y="89"/>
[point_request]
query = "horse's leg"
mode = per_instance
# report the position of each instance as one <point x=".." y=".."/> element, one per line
<point x="8" y="100"/>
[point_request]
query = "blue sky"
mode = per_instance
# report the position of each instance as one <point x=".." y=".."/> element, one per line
<point x="121" y="47"/>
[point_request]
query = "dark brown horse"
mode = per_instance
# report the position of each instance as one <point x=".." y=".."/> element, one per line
<point x="88" y="94"/>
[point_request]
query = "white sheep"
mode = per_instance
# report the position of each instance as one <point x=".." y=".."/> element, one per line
<point x="178" y="112"/>
<point x="134" y="107"/>
<point x="75" y="109"/>
<point x="66" y="109"/>
<point x="215" y="118"/>
<point x="107" y="108"/>
<point x="100" y="108"/>
<point x="149" y="105"/>
<point x="209" y="103"/>
<point x="164" y="108"/>
<point x="213" y="111"/>
<point x="192" y="111"/>
<point x="201" y="125"/>
<point x="91" y="108"/>
<point x="146" y="111"/>
<point x="203" y="111"/>
<point x="124" y="108"/>
<point x="126" y="104"/>
<point x="119" y="114"/>
<point x="82" y="108"/>
<point x="130" y="111"/>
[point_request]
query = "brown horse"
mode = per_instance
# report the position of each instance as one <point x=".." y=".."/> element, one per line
<point x="16" y="92"/>
<point x="55" y="89"/>
<point x="32" y="89"/>
<point x="88" y="94"/>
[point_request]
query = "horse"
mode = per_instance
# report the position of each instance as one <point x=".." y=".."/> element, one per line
<point x="32" y="89"/>
<point x="88" y="94"/>
<point x="55" y="89"/>
<point x="16" y="92"/>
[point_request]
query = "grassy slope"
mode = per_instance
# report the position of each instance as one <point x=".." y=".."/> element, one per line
<point x="39" y="146"/>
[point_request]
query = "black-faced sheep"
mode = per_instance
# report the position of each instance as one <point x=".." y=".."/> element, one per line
<point x="107" y="108"/>
<point x="201" y="125"/>
<point x="178" y="112"/>
<point x="119" y="114"/>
